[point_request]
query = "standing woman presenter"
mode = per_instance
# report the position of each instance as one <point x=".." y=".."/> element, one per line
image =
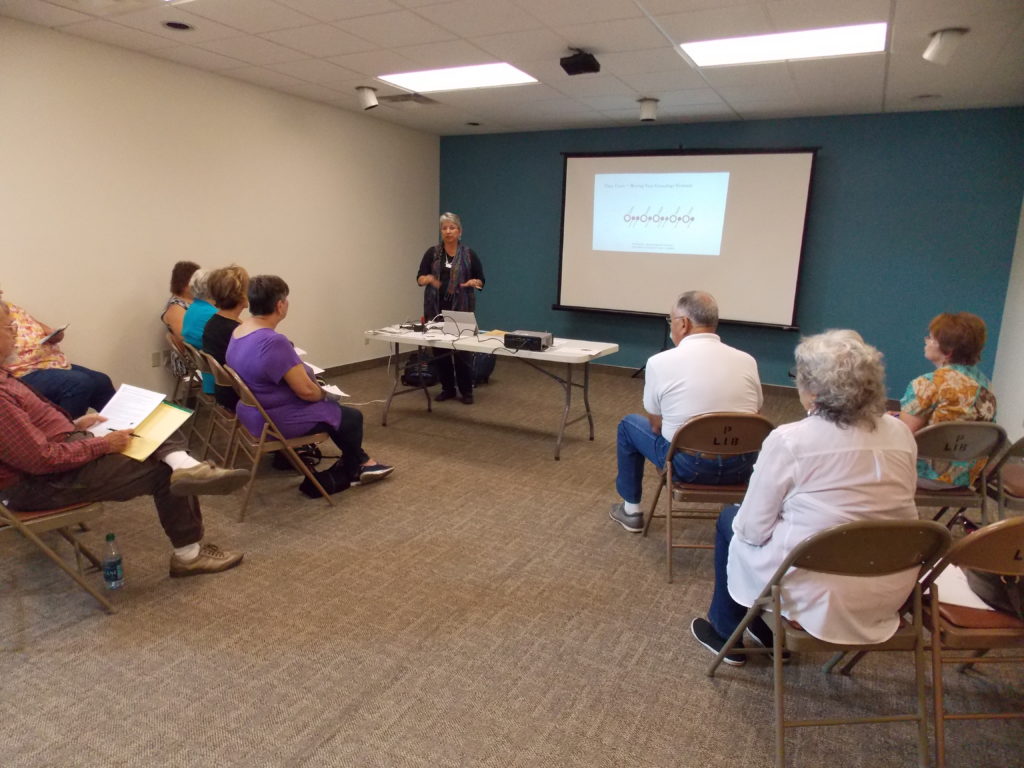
<point x="451" y="274"/>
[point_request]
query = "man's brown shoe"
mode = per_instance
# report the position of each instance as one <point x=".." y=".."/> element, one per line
<point x="207" y="480"/>
<point x="211" y="559"/>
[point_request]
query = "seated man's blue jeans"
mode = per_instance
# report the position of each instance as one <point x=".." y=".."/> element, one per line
<point x="637" y="442"/>
<point x="75" y="389"/>
<point x="725" y="614"/>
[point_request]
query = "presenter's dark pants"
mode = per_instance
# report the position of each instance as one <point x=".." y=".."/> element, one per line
<point x="454" y="368"/>
<point x="115" y="477"/>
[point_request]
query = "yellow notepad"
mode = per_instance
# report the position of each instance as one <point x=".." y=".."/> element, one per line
<point x="154" y="429"/>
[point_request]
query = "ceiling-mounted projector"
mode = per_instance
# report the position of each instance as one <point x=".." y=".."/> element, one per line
<point x="579" y="63"/>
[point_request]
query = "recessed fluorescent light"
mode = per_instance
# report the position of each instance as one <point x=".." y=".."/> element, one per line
<point x="806" y="44"/>
<point x="459" y="78"/>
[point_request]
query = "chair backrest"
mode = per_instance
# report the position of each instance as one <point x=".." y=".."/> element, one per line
<point x="995" y="548"/>
<point x="245" y="395"/>
<point x="178" y="350"/>
<point x="220" y="376"/>
<point x="725" y="434"/>
<point x="196" y="357"/>
<point x="1015" y="451"/>
<point x="960" y="440"/>
<point x="870" y="548"/>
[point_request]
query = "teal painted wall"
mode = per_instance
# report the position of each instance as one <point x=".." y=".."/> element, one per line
<point x="910" y="215"/>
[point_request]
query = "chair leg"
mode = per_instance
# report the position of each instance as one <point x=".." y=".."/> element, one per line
<point x="937" y="693"/>
<point x="780" y="709"/>
<point x="919" y="673"/>
<point x="248" y="486"/>
<point x="79" y="548"/>
<point x="654" y="504"/>
<point x="668" y="537"/>
<point x="25" y="531"/>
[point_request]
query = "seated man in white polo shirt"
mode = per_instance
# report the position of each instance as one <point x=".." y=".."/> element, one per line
<point x="699" y="375"/>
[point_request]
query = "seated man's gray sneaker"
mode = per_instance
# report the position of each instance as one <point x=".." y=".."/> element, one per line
<point x="634" y="523"/>
<point x="207" y="480"/>
<point x="211" y="559"/>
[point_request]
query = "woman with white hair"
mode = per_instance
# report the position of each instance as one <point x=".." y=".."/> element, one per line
<point x="197" y="316"/>
<point x="847" y="461"/>
<point x="451" y="274"/>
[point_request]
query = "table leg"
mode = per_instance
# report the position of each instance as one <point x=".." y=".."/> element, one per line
<point x="567" y="384"/>
<point x="398" y="382"/>
<point x="586" y="398"/>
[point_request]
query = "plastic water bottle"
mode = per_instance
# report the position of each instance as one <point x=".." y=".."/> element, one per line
<point x="113" y="567"/>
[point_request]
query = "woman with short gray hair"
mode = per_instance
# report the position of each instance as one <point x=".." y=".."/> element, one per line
<point x="451" y="274"/>
<point x="846" y="461"/>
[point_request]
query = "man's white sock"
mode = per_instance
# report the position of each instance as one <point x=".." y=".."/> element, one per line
<point x="632" y="508"/>
<point x="188" y="552"/>
<point x="180" y="460"/>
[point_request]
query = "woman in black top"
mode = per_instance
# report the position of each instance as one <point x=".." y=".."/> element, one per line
<point x="451" y="274"/>
<point x="228" y="289"/>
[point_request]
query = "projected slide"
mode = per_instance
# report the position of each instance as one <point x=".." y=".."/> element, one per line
<point x="660" y="212"/>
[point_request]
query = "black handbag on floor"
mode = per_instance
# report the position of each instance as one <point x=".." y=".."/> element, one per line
<point x="419" y="372"/>
<point x="1004" y="593"/>
<point x="334" y="480"/>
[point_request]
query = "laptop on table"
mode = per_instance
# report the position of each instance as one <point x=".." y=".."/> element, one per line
<point x="459" y="323"/>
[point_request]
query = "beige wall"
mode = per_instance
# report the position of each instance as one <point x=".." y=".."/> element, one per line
<point x="114" y="165"/>
<point x="1008" y="374"/>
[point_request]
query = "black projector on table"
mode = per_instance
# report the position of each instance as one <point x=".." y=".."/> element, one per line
<point x="532" y="341"/>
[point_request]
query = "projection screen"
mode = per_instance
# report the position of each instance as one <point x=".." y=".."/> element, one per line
<point x="639" y="229"/>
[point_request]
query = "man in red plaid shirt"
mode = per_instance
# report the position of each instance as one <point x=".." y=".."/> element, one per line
<point x="48" y="461"/>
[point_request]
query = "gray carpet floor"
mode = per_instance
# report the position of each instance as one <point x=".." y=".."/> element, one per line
<point x="476" y="609"/>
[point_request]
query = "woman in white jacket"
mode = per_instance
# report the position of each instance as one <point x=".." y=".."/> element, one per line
<point x="846" y="461"/>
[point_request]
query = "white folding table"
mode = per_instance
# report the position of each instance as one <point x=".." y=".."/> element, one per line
<point x="570" y="352"/>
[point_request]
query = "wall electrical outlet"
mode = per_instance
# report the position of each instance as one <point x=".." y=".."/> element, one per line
<point x="156" y="359"/>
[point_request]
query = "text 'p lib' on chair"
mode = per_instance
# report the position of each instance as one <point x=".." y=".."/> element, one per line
<point x="861" y="549"/>
<point x="712" y="434"/>
<point x="270" y="439"/>
<point x="30" y="524"/>
<point x="995" y="549"/>
<point x="978" y="441"/>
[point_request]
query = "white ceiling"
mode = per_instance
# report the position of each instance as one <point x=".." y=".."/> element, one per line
<point x="322" y="49"/>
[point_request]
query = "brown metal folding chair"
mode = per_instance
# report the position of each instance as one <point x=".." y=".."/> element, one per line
<point x="186" y="385"/>
<point x="1006" y="480"/>
<point x="31" y="524"/>
<point x="854" y="549"/>
<point x="220" y="422"/>
<point x="270" y="439"/>
<point x="724" y="434"/>
<point x="996" y="548"/>
<point x="223" y="379"/>
<point x="959" y="441"/>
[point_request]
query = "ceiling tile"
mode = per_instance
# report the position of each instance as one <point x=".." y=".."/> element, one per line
<point x="314" y="71"/>
<point x="731" y="21"/>
<point x="253" y="50"/>
<point x="396" y="29"/>
<point x="789" y="15"/>
<point x="470" y="18"/>
<point x="662" y="59"/>
<point x="319" y="40"/>
<point x="676" y="80"/>
<point x="108" y="32"/>
<point x="380" y="62"/>
<point x="44" y="14"/>
<point x="152" y="21"/>
<point x="525" y="46"/>
<point x="198" y="58"/>
<point x="610" y="36"/>
<point x="262" y="76"/>
<point x="252" y="16"/>
<point x="457" y="53"/>
<point x="333" y="10"/>
<point x="567" y="12"/>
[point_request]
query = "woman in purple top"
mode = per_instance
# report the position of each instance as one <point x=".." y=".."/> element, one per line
<point x="267" y="362"/>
